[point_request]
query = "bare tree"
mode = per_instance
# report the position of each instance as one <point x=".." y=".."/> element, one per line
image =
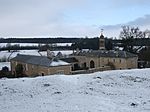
<point x="131" y="32"/>
<point x="128" y="34"/>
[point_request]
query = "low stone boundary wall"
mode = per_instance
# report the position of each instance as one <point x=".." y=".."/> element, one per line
<point x="91" y="70"/>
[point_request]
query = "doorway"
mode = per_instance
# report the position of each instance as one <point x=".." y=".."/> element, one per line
<point x="92" y="64"/>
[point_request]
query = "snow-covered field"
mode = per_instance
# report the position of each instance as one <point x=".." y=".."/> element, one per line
<point x="109" y="91"/>
<point x="20" y="44"/>
<point x="3" y="64"/>
<point x="6" y="54"/>
<point x="31" y="44"/>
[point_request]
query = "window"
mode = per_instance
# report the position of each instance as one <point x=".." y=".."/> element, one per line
<point x="92" y="64"/>
<point x="76" y="67"/>
<point x="84" y="65"/>
<point x="60" y="72"/>
<point x="120" y="60"/>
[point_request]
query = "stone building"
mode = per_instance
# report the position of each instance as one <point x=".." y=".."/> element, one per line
<point x="86" y="61"/>
<point x="40" y="65"/>
<point x="73" y="61"/>
<point x="102" y="58"/>
<point x="102" y="42"/>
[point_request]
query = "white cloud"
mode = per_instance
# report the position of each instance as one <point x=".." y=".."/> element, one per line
<point x="47" y="17"/>
<point x="113" y="30"/>
<point x="127" y="3"/>
<point x="32" y="17"/>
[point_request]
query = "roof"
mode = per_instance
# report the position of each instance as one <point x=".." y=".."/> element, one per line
<point x="102" y="36"/>
<point x="70" y="60"/>
<point x="39" y="60"/>
<point x="105" y="53"/>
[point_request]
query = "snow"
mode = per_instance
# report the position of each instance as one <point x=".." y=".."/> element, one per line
<point x="108" y="91"/>
<point x="20" y="44"/>
<point x="32" y="44"/>
<point x="27" y="52"/>
<point x="3" y="64"/>
<point x="6" y="54"/>
<point x="58" y="63"/>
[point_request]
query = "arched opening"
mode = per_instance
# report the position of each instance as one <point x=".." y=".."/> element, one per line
<point x="76" y="67"/>
<point x="42" y="74"/>
<point x="92" y="64"/>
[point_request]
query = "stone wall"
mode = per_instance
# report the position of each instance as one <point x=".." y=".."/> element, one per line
<point x="119" y="63"/>
<point x="60" y="70"/>
<point x="132" y="63"/>
<point x="91" y="70"/>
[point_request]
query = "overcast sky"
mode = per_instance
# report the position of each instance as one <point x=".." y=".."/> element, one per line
<point x="71" y="17"/>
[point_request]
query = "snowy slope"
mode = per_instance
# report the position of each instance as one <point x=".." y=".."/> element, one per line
<point x="109" y="91"/>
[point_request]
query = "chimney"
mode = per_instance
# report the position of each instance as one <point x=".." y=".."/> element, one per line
<point x="77" y="51"/>
<point x="50" y="54"/>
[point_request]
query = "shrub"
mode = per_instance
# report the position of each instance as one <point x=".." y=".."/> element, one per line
<point x="5" y="68"/>
<point x="6" y="74"/>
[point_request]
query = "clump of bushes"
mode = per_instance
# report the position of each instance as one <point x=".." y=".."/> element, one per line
<point x="5" y="73"/>
<point x="18" y="73"/>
